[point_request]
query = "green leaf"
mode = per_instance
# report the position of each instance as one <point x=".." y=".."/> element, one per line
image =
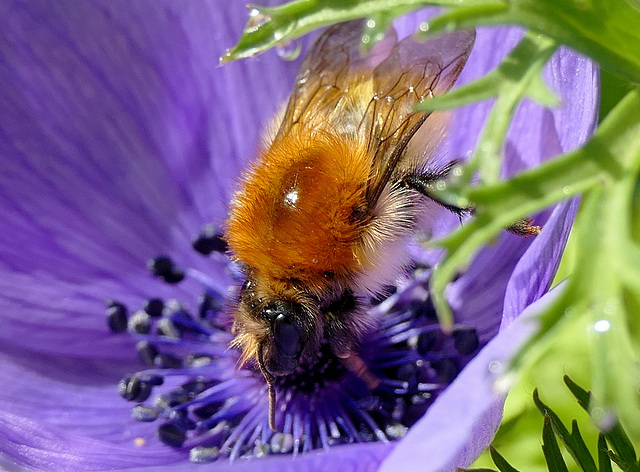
<point x="604" y="461"/>
<point x="550" y="449"/>
<point x="580" y="393"/>
<point x="269" y="27"/>
<point x="518" y="76"/>
<point x="615" y="434"/>
<point x="573" y="441"/>
<point x="500" y="462"/>
<point x="624" y="451"/>
<point x="607" y="30"/>
<point x="611" y="154"/>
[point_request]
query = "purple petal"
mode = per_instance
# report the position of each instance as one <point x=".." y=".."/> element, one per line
<point x="119" y="137"/>
<point x="34" y="446"/>
<point x="463" y="420"/>
<point x="120" y="140"/>
<point x="536" y="134"/>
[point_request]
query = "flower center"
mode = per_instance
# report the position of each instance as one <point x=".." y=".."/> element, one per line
<point x="204" y="404"/>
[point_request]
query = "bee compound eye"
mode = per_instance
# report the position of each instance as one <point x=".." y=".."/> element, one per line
<point x="287" y="338"/>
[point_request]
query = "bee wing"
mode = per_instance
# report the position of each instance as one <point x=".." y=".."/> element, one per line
<point x="393" y="76"/>
<point x="332" y="64"/>
<point x="413" y="72"/>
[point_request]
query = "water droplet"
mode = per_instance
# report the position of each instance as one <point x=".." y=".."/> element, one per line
<point x="256" y="20"/>
<point x="371" y="23"/>
<point x="605" y="419"/>
<point x="495" y="367"/>
<point x="441" y="185"/>
<point x="505" y="383"/>
<point x="488" y="148"/>
<point x="289" y="50"/>
<point x="611" y="307"/>
<point x="567" y="189"/>
<point x="424" y="26"/>
<point x="602" y="326"/>
<point x="366" y="39"/>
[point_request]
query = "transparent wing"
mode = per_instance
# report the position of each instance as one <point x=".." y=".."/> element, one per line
<point x="374" y="94"/>
<point x="414" y="71"/>
<point x="331" y="66"/>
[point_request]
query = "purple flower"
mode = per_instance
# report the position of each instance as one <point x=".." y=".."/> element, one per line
<point x="120" y="139"/>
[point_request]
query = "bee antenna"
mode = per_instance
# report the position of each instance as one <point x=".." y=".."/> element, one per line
<point x="270" y="379"/>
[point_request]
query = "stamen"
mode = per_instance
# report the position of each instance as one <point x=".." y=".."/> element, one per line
<point x="221" y="413"/>
<point x="210" y="241"/>
<point x="154" y="307"/>
<point x="116" y="316"/>
<point x="164" y="268"/>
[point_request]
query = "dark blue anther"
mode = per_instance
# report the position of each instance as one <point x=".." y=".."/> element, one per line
<point x="147" y="352"/>
<point x="210" y="241"/>
<point x="172" y="434"/>
<point x="116" y="316"/>
<point x="163" y="267"/>
<point x="167" y="361"/>
<point x="139" y="323"/>
<point x="145" y="414"/>
<point x="154" y="307"/>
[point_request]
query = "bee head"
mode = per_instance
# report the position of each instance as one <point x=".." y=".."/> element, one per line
<point x="272" y="329"/>
<point x="283" y="347"/>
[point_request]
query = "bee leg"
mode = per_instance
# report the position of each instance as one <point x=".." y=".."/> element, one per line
<point x="270" y="379"/>
<point x="356" y="365"/>
<point x="524" y="227"/>
<point x="345" y="322"/>
<point x="425" y="182"/>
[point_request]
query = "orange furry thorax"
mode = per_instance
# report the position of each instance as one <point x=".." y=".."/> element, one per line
<point x="298" y="214"/>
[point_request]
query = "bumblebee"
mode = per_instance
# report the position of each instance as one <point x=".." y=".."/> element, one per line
<point x="322" y="218"/>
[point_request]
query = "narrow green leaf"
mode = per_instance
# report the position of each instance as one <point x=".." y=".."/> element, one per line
<point x="580" y="393"/>
<point x="483" y="469"/>
<point x="269" y="27"/>
<point x="603" y="29"/>
<point x="608" y="156"/>
<point x="624" y="466"/>
<point x="615" y="434"/>
<point x="517" y="77"/>
<point x="551" y="450"/>
<point x="573" y="441"/>
<point x="501" y="463"/>
<point x="604" y="461"/>
<point x="622" y="446"/>
<point x="579" y="450"/>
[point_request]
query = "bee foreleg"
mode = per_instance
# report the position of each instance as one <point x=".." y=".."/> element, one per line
<point x="425" y="183"/>
<point x="345" y="322"/>
<point x="356" y="365"/>
<point x="270" y="379"/>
